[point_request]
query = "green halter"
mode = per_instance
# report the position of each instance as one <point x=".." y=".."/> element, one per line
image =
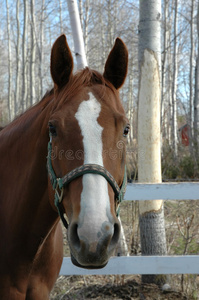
<point x="58" y="184"/>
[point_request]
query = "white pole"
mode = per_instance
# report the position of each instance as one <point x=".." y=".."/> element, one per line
<point x="77" y="34"/>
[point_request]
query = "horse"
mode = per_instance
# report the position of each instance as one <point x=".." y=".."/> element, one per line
<point x="63" y="159"/>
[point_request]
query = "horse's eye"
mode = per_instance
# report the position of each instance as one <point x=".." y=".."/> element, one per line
<point x="52" y="129"/>
<point x="126" y="130"/>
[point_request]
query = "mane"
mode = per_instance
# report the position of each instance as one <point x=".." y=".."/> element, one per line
<point x="27" y="116"/>
<point x="83" y="78"/>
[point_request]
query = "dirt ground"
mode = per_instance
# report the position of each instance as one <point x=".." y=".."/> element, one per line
<point x="109" y="287"/>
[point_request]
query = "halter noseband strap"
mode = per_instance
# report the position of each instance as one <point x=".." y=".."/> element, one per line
<point x="59" y="183"/>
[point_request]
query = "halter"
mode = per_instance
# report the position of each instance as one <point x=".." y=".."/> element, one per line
<point x="58" y="184"/>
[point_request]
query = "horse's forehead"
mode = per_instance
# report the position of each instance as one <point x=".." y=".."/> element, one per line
<point x="91" y="107"/>
<point x="101" y="99"/>
<point x="87" y="118"/>
<point x="90" y="101"/>
<point x="94" y="109"/>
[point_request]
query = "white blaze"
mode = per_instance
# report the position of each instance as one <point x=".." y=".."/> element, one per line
<point x="94" y="198"/>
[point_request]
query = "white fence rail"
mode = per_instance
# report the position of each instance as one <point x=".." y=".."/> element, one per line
<point x="188" y="264"/>
<point x="165" y="191"/>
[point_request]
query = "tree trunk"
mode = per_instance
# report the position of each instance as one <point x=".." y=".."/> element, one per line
<point x="10" y="106"/>
<point x="17" y="78"/>
<point x="24" y="64"/>
<point x="40" y="51"/>
<point x="60" y="16"/>
<point x="152" y="227"/>
<point x="174" y="88"/>
<point x="77" y="34"/>
<point x="191" y="78"/>
<point x="164" y="94"/>
<point x="32" y="54"/>
<point x="110" y="24"/>
<point x="86" y="23"/>
<point x="84" y="18"/>
<point x="130" y="107"/>
<point x="196" y="96"/>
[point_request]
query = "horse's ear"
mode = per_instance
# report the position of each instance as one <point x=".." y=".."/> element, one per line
<point x="117" y="63"/>
<point x="61" y="65"/>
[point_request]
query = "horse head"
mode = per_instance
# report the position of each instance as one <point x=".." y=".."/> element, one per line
<point x="86" y="159"/>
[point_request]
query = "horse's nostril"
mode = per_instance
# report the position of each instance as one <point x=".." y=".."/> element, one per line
<point x="116" y="234"/>
<point x="74" y="238"/>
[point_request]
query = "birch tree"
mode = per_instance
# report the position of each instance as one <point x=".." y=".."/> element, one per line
<point x="24" y="64"/>
<point x="84" y="19"/>
<point x="165" y="92"/>
<point x="40" y="49"/>
<point x="10" y="106"/>
<point x="196" y="95"/>
<point x="191" y="70"/>
<point x="32" y="54"/>
<point x="77" y="34"/>
<point x="17" y="76"/>
<point x="60" y="16"/>
<point x="174" y="87"/>
<point x="152" y="227"/>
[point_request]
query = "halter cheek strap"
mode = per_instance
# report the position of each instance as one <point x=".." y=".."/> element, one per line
<point x="58" y="184"/>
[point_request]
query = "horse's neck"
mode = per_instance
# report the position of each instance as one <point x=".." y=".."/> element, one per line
<point x="23" y="145"/>
<point x="23" y="176"/>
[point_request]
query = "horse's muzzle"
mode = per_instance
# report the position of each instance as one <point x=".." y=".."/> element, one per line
<point x="91" y="248"/>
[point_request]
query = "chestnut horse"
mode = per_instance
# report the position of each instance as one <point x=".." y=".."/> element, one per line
<point x="77" y="129"/>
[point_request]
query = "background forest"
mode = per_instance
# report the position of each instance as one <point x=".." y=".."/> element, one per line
<point x="28" y="29"/>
